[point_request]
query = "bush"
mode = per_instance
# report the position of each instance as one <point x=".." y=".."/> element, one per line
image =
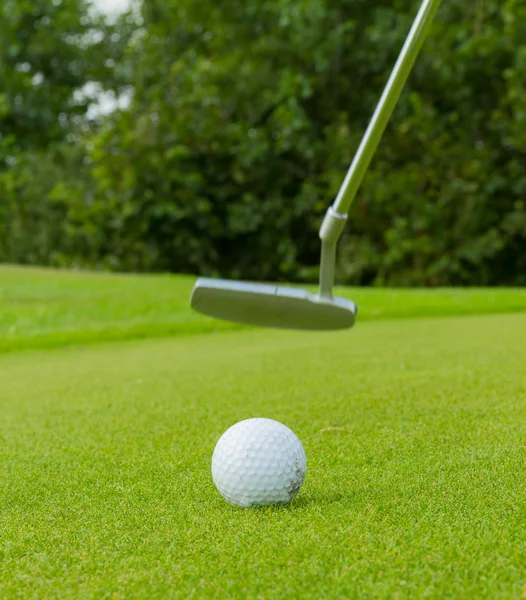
<point x="243" y="122"/>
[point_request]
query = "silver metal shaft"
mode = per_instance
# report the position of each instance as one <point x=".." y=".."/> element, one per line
<point x="332" y="226"/>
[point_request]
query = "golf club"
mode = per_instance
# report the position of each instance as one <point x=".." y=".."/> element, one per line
<point x="291" y="308"/>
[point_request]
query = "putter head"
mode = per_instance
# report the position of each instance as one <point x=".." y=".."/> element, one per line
<point x="276" y="306"/>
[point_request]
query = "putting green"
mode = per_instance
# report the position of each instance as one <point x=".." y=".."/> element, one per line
<point x="414" y="431"/>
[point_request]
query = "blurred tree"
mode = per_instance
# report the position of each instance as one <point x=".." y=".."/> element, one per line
<point x="221" y="165"/>
<point x="51" y="52"/>
<point x="449" y="182"/>
<point x="245" y="116"/>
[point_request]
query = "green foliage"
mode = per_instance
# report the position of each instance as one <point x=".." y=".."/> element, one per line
<point x="50" y="49"/>
<point x="36" y="226"/>
<point x="244" y="119"/>
<point x="29" y="223"/>
<point x="450" y="180"/>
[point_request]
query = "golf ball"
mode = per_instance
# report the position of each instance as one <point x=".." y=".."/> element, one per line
<point x="258" y="462"/>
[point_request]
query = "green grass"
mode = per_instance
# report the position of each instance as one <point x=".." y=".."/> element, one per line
<point x="42" y="308"/>
<point x="414" y="431"/>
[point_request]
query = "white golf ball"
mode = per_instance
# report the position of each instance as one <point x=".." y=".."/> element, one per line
<point x="258" y="462"/>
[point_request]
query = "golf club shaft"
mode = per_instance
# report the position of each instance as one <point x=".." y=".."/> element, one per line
<point x="334" y="221"/>
<point x="386" y="105"/>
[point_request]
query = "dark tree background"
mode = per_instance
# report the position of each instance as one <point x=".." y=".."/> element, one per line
<point x="243" y="119"/>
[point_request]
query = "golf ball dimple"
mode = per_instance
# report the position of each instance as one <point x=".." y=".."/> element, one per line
<point x="258" y="462"/>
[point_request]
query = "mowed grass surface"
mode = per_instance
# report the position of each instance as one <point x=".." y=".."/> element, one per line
<point x="42" y="308"/>
<point x="414" y="430"/>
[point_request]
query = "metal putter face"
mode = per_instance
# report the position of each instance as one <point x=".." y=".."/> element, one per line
<point x="276" y="306"/>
